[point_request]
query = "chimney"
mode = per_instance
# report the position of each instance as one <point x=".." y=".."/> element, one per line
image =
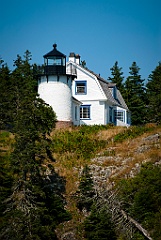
<point x="72" y="57"/>
<point x="77" y="58"/>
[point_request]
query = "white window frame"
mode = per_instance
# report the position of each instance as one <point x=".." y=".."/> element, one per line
<point x="81" y="87"/>
<point x="85" y="112"/>
<point x="120" y="115"/>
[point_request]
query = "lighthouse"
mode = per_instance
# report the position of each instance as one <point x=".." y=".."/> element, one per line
<point x="55" y="86"/>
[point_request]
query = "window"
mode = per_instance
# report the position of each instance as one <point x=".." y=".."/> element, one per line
<point x="54" y="61"/>
<point x="80" y="87"/>
<point x="76" y="117"/>
<point x="85" y="112"/>
<point x="119" y="115"/>
<point x="114" y="92"/>
<point x="110" y="114"/>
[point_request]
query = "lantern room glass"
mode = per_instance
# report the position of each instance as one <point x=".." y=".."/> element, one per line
<point x="56" y="61"/>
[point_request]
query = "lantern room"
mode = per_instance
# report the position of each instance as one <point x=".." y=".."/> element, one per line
<point x="55" y="62"/>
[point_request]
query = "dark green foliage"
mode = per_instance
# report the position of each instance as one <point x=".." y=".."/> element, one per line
<point x="6" y="179"/>
<point x="131" y="133"/>
<point x="117" y="77"/>
<point x="85" y="193"/>
<point x="154" y="95"/>
<point x="34" y="205"/>
<point x="80" y="141"/>
<point x="142" y="198"/>
<point x="98" y="225"/>
<point x="6" y="98"/>
<point x="134" y="95"/>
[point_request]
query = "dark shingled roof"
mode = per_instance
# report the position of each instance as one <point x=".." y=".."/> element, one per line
<point x="106" y="86"/>
<point x="54" y="52"/>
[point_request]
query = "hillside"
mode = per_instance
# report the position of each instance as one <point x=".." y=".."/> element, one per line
<point x="115" y="153"/>
<point x="112" y="153"/>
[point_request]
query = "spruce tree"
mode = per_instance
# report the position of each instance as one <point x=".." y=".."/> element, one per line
<point x="154" y="95"/>
<point x="98" y="225"/>
<point x="36" y="205"/>
<point x="117" y="77"/>
<point x="6" y="98"/>
<point x="134" y="95"/>
<point x="85" y="193"/>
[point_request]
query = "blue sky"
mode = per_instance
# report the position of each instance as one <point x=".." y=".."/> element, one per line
<point x="101" y="31"/>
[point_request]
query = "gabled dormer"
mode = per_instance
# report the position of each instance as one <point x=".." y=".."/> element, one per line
<point x="113" y="89"/>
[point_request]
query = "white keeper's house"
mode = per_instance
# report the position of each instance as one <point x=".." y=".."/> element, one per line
<point x="79" y="96"/>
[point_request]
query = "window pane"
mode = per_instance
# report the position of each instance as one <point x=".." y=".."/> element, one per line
<point x="76" y="113"/>
<point x="119" y="115"/>
<point x="81" y="87"/>
<point x="110" y="114"/>
<point x="85" y="112"/>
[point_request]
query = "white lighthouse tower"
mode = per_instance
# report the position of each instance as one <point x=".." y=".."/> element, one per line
<point x="54" y="86"/>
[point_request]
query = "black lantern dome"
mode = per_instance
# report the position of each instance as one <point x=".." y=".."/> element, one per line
<point x="55" y="62"/>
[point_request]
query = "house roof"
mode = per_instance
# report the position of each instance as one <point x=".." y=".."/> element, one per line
<point x="76" y="100"/>
<point x="106" y="88"/>
<point x="54" y="52"/>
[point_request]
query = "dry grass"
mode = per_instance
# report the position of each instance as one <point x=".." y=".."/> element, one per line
<point x="125" y="158"/>
<point x="109" y="133"/>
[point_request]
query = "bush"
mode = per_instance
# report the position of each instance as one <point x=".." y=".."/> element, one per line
<point x="132" y="132"/>
<point x="79" y="141"/>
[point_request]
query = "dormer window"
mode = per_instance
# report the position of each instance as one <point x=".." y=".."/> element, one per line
<point x="113" y="92"/>
<point x="80" y="87"/>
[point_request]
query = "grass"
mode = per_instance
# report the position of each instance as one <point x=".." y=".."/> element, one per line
<point x="73" y="148"/>
<point x="132" y="132"/>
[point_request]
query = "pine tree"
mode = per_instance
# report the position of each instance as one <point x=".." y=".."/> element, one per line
<point x="117" y="78"/>
<point x="134" y="95"/>
<point x="85" y="193"/>
<point x="6" y="97"/>
<point x="154" y="95"/>
<point x="141" y="197"/>
<point x="35" y="206"/>
<point x="98" y="225"/>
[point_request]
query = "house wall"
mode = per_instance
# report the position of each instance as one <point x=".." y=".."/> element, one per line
<point x="94" y="91"/>
<point x="57" y="93"/>
<point x="92" y="97"/>
<point x="125" y="122"/>
<point x="97" y="113"/>
<point x="76" y="113"/>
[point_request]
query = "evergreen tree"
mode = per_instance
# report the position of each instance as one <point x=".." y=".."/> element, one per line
<point x="98" y="225"/>
<point x="154" y="95"/>
<point x="117" y="77"/>
<point x="85" y="193"/>
<point x="35" y="206"/>
<point x="142" y="198"/>
<point x="6" y="97"/>
<point x="134" y="95"/>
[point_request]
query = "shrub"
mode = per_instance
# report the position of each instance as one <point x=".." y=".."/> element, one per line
<point x="132" y="132"/>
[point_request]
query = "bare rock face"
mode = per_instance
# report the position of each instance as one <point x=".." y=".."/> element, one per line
<point x="68" y="236"/>
<point x="108" y="167"/>
<point x="149" y="142"/>
<point x="111" y="164"/>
